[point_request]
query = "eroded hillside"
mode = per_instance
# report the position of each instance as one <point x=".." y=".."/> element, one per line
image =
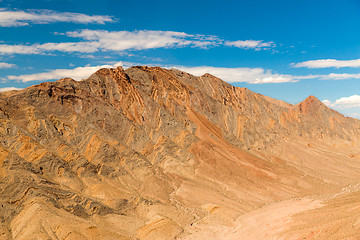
<point x="151" y="153"/>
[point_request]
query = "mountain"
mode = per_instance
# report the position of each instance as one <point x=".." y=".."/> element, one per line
<point x="153" y="153"/>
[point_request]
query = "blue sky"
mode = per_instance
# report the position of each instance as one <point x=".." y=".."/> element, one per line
<point x="284" y="49"/>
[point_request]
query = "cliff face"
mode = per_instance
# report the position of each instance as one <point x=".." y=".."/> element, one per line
<point x="150" y="153"/>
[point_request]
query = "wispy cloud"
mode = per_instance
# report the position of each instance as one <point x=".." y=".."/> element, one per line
<point x="340" y="76"/>
<point x="331" y="76"/>
<point x="121" y="40"/>
<point x="250" y="44"/>
<point x="327" y="102"/>
<point x="344" y="102"/>
<point x="16" y="18"/>
<point x="329" y="63"/>
<point x="230" y="75"/>
<point x="260" y="75"/>
<point x="9" y="89"/>
<point x="19" y="49"/>
<point x="80" y="47"/>
<point x="92" y="41"/>
<point x="139" y="40"/>
<point x="98" y="40"/>
<point x="76" y="73"/>
<point x="6" y="65"/>
<point x="355" y="115"/>
<point x="249" y="75"/>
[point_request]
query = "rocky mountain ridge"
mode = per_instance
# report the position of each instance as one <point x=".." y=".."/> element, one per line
<point x="152" y="153"/>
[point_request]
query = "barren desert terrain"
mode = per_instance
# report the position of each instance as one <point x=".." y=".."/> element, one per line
<point x="153" y="153"/>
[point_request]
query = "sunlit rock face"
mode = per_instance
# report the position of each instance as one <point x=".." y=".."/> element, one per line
<point x="152" y="153"/>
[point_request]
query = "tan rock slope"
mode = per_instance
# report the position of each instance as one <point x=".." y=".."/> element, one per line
<point x="151" y="153"/>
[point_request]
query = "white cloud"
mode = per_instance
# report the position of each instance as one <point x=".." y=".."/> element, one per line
<point x="249" y="75"/>
<point x="327" y="102"/>
<point x="340" y="76"/>
<point x="250" y="44"/>
<point x="344" y="102"/>
<point x="355" y="115"/>
<point x="6" y="65"/>
<point x="100" y="40"/>
<point x="76" y="73"/>
<point x="9" y="18"/>
<point x="139" y="40"/>
<point x="97" y="40"/>
<point x="9" y="89"/>
<point x="331" y="76"/>
<point x="230" y="75"/>
<point x="19" y="49"/>
<point x="144" y="39"/>
<point x="80" y="47"/>
<point x="329" y="63"/>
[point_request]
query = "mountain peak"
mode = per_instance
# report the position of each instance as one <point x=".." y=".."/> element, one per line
<point x="312" y="99"/>
<point x="209" y="75"/>
<point x="310" y="105"/>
